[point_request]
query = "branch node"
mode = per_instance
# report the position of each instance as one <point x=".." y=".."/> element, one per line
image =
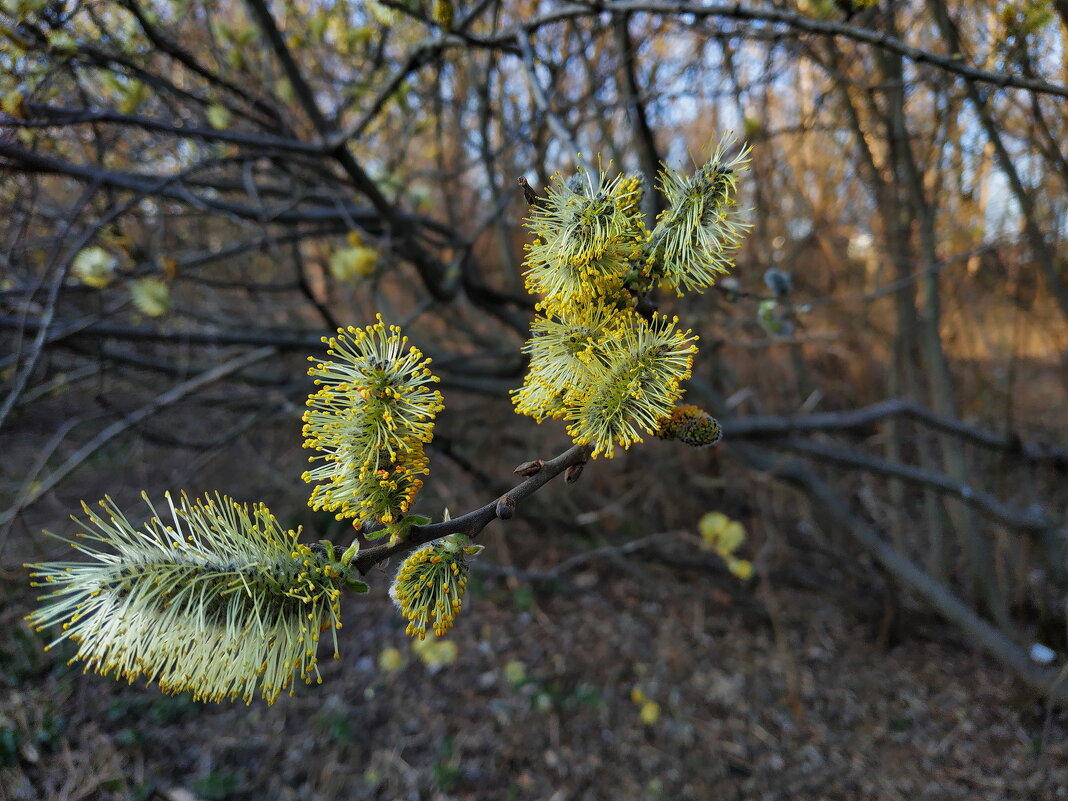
<point x="571" y="475"/>
<point x="505" y="508"/>
<point x="528" y="469"/>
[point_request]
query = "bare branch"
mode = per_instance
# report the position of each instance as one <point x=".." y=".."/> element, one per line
<point x="542" y="100"/>
<point x="1032" y="521"/>
<point x="430" y="270"/>
<point x="472" y="523"/>
<point x="45" y="116"/>
<point x="133" y="419"/>
<point x="791" y="19"/>
<point x="835" y="514"/>
<point x="761" y="426"/>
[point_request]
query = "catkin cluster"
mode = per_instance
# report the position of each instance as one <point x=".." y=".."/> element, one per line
<point x="598" y="360"/>
<point x="369" y="420"/>
<point x="690" y="425"/>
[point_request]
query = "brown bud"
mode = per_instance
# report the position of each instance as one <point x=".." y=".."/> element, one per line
<point x="505" y="507"/>
<point x="571" y="475"/>
<point x="529" y="468"/>
<point x="531" y="196"/>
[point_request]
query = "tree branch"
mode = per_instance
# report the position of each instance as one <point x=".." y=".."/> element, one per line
<point x="45" y="116"/>
<point x="835" y="515"/>
<point x="791" y="19"/>
<point x="167" y="45"/>
<point x="472" y="523"/>
<point x="430" y="270"/>
<point x="770" y="426"/>
<point x="165" y="399"/>
<point x="1032" y="521"/>
<point x="541" y="100"/>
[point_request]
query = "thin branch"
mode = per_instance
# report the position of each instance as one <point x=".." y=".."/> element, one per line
<point x="167" y="45"/>
<point x="472" y="523"/>
<point x="1032" y="521"/>
<point x="611" y="552"/>
<point x="770" y="426"/>
<point x="422" y="54"/>
<point x="643" y="133"/>
<point x="44" y="116"/>
<point x="791" y="19"/>
<point x="133" y="419"/>
<point x="835" y="514"/>
<point x="1036" y="238"/>
<point x="18" y="158"/>
<point x="430" y="270"/>
<point x="62" y="270"/>
<point x="139" y="333"/>
<point x="541" y="100"/>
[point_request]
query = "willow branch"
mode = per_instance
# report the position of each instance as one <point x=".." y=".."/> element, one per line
<point x="422" y="54"/>
<point x="473" y="522"/>
<point x="21" y="378"/>
<point x="167" y="45"/>
<point x="45" y="116"/>
<point x="430" y="270"/>
<point x="141" y="333"/>
<point x="133" y="419"/>
<point x="1044" y="254"/>
<point x="541" y="100"/>
<point x="1031" y="521"/>
<point x="457" y="373"/>
<point x="632" y="96"/>
<point x="21" y="159"/>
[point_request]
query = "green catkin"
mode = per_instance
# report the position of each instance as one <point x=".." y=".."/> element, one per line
<point x="219" y="601"/>
<point x="429" y="587"/>
<point x="690" y="425"/>
<point x="694" y="241"/>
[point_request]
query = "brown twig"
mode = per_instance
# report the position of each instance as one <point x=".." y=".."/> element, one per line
<point x="473" y="522"/>
<point x="777" y="16"/>
<point x="759" y="426"/>
<point x="530" y="194"/>
<point x="133" y="419"/>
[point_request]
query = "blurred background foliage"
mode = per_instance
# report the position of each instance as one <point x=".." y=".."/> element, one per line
<point x="195" y="191"/>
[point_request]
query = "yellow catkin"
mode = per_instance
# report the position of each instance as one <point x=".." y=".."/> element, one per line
<point x="221" y="602"/>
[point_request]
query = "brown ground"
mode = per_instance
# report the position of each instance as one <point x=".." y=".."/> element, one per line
<point x="925" y="719"/>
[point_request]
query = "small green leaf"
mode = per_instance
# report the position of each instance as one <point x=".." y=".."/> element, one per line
<point x="399" y="531"/>
<point x="457" y="541"/>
